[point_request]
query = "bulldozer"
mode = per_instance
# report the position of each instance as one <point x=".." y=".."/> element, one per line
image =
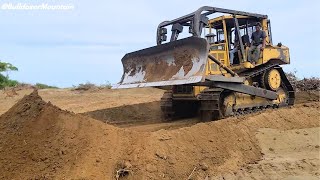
<point x="205" y="66"/>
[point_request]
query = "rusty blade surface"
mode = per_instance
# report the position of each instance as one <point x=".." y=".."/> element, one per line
<point x="174" y="63"/>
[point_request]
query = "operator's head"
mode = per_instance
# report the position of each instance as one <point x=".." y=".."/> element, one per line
<point x="258" y="26"/>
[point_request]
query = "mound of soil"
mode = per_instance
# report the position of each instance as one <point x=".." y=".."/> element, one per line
<point x="40" y="141"/>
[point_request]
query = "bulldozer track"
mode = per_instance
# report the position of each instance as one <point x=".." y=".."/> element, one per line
<point x="287" y="85"/>
<point x="216" y="105"/>
<point x="211" y="99"/>
<point x="285" y="82"/>
<point x="258" y="70"/>
<point x="166" y="104"/>
<point x="255" y="109"/>
<point x="210" y="104"/>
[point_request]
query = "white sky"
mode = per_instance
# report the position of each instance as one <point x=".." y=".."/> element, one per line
<point x="65" y="48"/>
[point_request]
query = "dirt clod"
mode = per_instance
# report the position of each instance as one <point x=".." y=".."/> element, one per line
<point x="204" y="166"/>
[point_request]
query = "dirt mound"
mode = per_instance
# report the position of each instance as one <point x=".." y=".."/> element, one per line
<point x="40" y="141"/>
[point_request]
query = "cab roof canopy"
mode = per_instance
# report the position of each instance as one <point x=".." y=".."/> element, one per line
<point x="199" y="19"/>
<point x="216" y="23"/>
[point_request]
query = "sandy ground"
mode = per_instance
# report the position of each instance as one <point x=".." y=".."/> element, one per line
<point x="50" y="143"/>
<point x="80" y="102"/>
<point x="287" y="154"/>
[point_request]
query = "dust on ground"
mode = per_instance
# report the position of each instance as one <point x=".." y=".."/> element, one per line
<point x="50" y="143"/>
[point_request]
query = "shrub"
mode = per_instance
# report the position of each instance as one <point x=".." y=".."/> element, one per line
<point x="107" y="85"/>
<point x="90" y="86"/>
<point x="44" y="86"/>
<point x="85" y="87"/>
<point x="8" y="83"/>
<point x="4" y="80"/>
<point x="305" y="84"/>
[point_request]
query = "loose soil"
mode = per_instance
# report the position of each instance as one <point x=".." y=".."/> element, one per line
<point x="38" y="140"/>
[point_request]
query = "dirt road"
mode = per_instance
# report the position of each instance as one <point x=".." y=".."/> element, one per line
<point x="50" y="143"/>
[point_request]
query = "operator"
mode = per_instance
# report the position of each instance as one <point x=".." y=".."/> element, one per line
<point x="234" y="50"/>
<point x="258" y="44"/>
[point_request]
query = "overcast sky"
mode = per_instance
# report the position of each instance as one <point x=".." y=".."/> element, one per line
<point x="65" y="48"/>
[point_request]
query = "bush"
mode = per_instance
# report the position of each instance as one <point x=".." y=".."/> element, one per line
<point x="21" y="86"/>
<point x="305" y="84"/>
<point x="12" y="83"/>
<point x="90" y="86"/>
<point x="85" y="87"/>
<point x="308" y="84"/>
<point x="44" y="86"/>
<point x="6" y="82"/>
<point x="107" y="85"/>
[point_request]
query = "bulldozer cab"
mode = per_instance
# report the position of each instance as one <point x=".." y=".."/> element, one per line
<point x="229" y="37"/>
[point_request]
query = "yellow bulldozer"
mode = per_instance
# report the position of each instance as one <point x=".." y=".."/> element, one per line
<point x="206" y="66"/>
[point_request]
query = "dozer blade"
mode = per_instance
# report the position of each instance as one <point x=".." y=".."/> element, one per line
<point x="178" y="62"/>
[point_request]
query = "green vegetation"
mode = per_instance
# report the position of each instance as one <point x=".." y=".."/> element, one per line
<point x="4" y="79"/>
<point x="84" y="87"/>
<point x="90" y="86"/>
<point x="44" y="86"/>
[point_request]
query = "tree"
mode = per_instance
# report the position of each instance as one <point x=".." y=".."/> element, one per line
<point x="4" y="79"/>
<point x="7" y="67"/>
